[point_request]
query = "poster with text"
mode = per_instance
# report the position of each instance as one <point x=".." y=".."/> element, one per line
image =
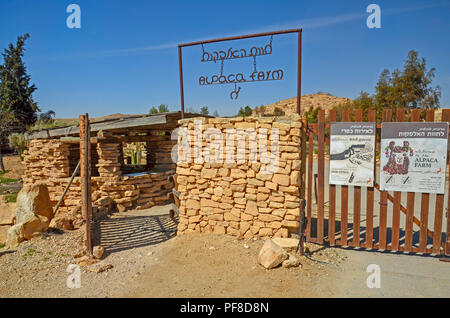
<point x="413" y="157"/>
<point x="352" y="153"/>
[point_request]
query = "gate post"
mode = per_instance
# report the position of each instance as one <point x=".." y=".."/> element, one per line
<point x="85" y="177"/>
<point x="303" y="158"/>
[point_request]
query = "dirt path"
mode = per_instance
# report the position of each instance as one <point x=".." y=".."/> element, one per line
<point x="401" y="275"/>
<point x="150" y="261"/>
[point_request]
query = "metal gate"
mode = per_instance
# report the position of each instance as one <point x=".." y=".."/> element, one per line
<point x="367" y="217"/>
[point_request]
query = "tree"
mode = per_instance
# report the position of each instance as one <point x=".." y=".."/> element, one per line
<point x="216" y="113"/>
<point x="8" y="123"/>
<point x="277" y="111"/>
<point x="311" y="114"/>
<point x="410" y="88"/>
<point x="245" y="112"/>
<point x="204" y="110"/>
<point x="163" y="108"/>
<point x="15" y="88"/>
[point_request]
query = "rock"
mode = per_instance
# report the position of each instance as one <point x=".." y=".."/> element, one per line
<point x="33" y="199"/>
<point x="14" y="235"/>
<point x="292" y="261"/>
<point x="79" y="254"/>
<point x="78" y="223"/>
<point x="121" y="208"/>
<point x="98" y="268"/>
<point x="86" y="261"/>
<point x="76" y="210"/>
<point x="98" y="251"/>
<point x="61" y="222"/>
<point x="34" y="226"/>
<point x="104" y="201"/>
<point x="33" y="213"/>
<point x="271" y="255"/>
<point x="288" y="244"/>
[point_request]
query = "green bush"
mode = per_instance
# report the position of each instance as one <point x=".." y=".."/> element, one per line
<point x="18" y="142"/>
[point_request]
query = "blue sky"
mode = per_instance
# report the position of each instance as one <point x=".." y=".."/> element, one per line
<point x="124" y="58"/>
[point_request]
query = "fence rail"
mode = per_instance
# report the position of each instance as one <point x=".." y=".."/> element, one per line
<point x="340" y="225"/>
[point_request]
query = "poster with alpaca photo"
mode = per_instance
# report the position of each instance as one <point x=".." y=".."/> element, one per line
<point x="352" y="153"/>
<point x="413" y="157"/>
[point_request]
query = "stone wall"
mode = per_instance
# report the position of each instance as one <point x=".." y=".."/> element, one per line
<point x="50" y="161"/>
<point x="240" y="198"/>
<point x="159" y="150"/>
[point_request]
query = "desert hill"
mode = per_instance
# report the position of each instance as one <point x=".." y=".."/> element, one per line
<point x="289" y="106"/>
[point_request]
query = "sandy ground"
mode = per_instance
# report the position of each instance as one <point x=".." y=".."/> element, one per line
<point x="15" y="166"/>
<point x="150" y="261"/>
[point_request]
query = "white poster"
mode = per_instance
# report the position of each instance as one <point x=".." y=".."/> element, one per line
<point x="413" y="157"/>
<point x="352" y="153"/>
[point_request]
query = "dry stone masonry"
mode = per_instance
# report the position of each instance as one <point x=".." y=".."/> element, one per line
<point x="51" y="162"/>
<point x="237" y="197"/>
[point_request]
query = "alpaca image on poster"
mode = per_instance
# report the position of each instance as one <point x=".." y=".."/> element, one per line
<point x="398" y="158"/>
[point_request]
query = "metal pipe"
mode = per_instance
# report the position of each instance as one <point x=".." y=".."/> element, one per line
<point x="180" y="64"/>
<point x="299" y="74"/>
<point x="241" y="37"/>
<point x="67" y="188"/>
<point x="232" y="38"/>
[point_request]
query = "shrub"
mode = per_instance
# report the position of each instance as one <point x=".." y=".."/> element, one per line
<point x="18" y="142"/>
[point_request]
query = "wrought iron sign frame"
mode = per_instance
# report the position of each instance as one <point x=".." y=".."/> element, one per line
<point x="234" y="54"/>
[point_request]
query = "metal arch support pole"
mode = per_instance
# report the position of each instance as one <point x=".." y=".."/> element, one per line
<point x="299" y="74"/>
<point x="180" y="64"/>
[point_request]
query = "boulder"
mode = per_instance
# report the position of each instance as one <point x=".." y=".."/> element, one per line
<point x="14" y="235"/>
<point x="292" y="261"/>
<point x="98" y="251"/>
<point x="271" y="255"/>
<point x="86" y="261"/>
<point x="62" y="222"/>
<point x="33" y="199"/>
<point x="288" y="244"/>
<point x="33" y="214"/>
<point x="98" y="268"/>
<point x="34" y="226"/>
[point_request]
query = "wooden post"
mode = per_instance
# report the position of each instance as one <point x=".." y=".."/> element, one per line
<point x="321" y="172"/>
<point x="344" y="196"/>
<point x="332" y="196"/>
<point x="85" y="177"/>
<point x="357" y="198"/>
<point x="395" y="240"/>
<point x="303" y="158"/>
<point x="446" y="117"/>
<point x="371" y="117"/>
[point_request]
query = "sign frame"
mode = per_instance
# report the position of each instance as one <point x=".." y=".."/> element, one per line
<point x="406" y="145"/>
<point x="247" y="36"/>
<point x="357" y="142"/>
